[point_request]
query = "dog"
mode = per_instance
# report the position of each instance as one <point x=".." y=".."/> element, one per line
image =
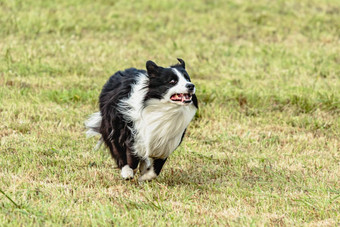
<point x="143" y="116"/>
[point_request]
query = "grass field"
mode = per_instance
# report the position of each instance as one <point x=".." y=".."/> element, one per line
<point x="264" y="148"/>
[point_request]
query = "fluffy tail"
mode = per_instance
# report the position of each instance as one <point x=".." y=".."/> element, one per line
<point x="93" y="125"/>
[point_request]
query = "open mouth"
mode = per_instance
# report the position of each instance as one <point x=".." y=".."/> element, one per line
<point x="181" y="98"/>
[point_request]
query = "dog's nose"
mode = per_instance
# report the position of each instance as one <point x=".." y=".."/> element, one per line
<point x="190" y="86"/>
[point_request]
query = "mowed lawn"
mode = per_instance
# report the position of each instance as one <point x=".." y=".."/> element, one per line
<point x="262" y="150"/>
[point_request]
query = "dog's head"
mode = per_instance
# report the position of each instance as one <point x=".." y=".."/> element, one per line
<point x="171" y="84"/>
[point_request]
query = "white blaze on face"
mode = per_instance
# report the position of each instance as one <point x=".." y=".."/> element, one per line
<point x="179" y="88"/>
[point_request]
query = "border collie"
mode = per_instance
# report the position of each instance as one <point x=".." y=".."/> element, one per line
<point x="143" y="116"/>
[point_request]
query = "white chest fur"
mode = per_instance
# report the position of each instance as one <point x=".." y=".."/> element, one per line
<point x="158" y="125"/>
<point x="161" y="127"/>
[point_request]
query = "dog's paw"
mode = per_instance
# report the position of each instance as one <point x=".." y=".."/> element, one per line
<point x="127" y="173"/>
<point x="148" y="175"/>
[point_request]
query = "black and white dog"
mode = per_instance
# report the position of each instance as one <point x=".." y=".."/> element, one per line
<point x="143" y="116"/>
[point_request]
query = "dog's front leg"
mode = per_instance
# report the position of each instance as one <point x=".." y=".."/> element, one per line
<point x="144" y="165"/>
<point x="153" y="170"/>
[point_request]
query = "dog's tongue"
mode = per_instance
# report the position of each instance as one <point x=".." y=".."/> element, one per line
<point x="181" y="97"/>
<point x="177" y="97"/>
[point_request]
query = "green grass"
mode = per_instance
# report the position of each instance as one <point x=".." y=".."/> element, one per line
<point x="262" y="150"/>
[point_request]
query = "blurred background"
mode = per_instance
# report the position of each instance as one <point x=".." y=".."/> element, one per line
<point x="263" y="148"/>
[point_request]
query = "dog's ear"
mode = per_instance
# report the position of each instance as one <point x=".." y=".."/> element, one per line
<point x="182" y="62"/>
<point x="152" y="68"/>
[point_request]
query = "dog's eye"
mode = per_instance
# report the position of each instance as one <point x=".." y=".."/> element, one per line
<point x="173" y="81"/>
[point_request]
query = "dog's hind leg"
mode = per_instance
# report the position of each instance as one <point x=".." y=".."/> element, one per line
<point x="120" y="156"/>
<point x="127" y="173"/>
<point x="132" y="164"/>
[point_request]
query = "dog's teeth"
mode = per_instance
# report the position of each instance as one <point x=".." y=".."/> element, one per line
<point x="181" y="97"/>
